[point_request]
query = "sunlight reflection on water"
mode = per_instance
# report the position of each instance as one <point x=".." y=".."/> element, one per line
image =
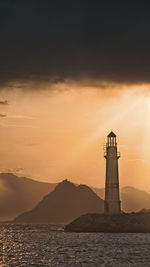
<point x="44" y="245"/>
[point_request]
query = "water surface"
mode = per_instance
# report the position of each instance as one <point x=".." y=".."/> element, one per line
<point x="45" y="245"/>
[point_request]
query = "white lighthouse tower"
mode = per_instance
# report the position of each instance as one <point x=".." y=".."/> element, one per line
<point x="112" y="199"/>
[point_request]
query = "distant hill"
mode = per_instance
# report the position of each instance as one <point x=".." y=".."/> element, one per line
<point x="132" y="199"/>
<point x="99" y="191"/>
<point x="20" y="194"/>
<point x="63" y="205"/>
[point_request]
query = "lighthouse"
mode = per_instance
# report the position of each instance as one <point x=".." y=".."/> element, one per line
<point x="112" y="199"/>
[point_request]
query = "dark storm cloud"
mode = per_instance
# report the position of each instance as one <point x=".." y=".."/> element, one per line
<point x="54" y="40"/>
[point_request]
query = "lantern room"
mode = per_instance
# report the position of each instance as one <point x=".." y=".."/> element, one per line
<point x="111" y="139"/>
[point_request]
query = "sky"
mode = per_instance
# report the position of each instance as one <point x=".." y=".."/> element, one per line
<point x="70" y="72"/>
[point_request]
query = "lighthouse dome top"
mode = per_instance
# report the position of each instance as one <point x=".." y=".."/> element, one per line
<point x="111" y="134"/>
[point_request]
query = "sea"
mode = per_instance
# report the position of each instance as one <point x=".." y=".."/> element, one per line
<point x="49" y="245"/>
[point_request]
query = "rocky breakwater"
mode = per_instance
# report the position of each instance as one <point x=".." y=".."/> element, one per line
<point x="122" y="223"/>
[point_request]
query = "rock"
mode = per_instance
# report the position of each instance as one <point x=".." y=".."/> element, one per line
<point x="122" y="223"/>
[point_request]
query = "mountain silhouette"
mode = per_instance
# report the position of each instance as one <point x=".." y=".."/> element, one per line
<point x="63" y="205"/>
<point x="132" y="199"/>
<point x="20" y="194"/>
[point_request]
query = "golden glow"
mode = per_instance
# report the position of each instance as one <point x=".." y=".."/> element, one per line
<point x="51" y="135"/>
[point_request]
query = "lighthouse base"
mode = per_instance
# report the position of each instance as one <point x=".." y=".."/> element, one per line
<point x="112" y="207"/>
